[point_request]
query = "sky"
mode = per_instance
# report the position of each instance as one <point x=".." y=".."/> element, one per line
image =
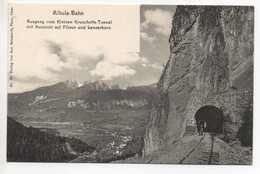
<point x="66" y="59"/>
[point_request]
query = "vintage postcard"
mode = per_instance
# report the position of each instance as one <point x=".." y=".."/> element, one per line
<point x="146" y="84"/>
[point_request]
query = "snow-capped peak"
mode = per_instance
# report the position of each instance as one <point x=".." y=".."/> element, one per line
<point x="71" y="83"/>
<point x="96" y="85"/>
<point x="80" y="84"/>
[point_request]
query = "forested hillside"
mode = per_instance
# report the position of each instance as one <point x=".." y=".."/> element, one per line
<point x="31" y="145"/>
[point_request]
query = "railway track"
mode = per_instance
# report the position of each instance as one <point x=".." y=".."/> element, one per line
<point x="203" y="154"/>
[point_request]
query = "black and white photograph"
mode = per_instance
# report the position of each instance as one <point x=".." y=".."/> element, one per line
<point x="132" y="84"/>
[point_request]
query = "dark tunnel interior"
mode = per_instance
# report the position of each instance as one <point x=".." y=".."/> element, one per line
<point x="212" y="116"/>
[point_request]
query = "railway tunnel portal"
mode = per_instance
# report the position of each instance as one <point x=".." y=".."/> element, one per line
<point x="211" y="117"/>
<point x="222" y="113"/>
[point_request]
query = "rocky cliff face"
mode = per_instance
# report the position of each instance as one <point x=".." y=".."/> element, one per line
<point x="211" y="55"/>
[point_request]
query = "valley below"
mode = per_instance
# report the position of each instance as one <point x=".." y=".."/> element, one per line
<point x="113" y="133"/>
<point x="109" y="121"/>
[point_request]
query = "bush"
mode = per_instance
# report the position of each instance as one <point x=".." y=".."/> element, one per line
<point x="245" y="132"/>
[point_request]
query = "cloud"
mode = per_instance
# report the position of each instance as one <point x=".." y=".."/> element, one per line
<point x="108" y="70"/>
<point x="145" y="36"/>
<point x="159" y="19"/>
<point x="49" y="59"/>
<point x="116" y="64"/>
<point x="143" y="59"/>
<point x="120" y="57"/>
<point x="56" y="49"/>
<point x="45" y="60"/>
<point x="156" y="66"/>
<point x="152" y="65"/>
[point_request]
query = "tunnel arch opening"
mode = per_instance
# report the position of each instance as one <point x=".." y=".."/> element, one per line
<point x="212" y="117"/>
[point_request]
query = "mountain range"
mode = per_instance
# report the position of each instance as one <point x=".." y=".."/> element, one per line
<point x="89" y="96"/>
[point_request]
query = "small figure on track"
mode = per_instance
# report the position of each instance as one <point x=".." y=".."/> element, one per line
<point x="204" y="126"/>
<point x="200" y="127"/>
